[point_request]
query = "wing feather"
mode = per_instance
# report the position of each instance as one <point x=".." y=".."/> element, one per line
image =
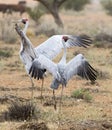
<point x="42" y="63"/>
<point x="80" y="66"/>
<point x="81" y="40"/>
<point x="53" y="46"/>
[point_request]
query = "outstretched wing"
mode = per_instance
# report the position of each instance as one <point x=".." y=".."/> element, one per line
<point x="53" y="45"/>
<point x="80" y="66"/>
<point x="81" y="41"/>
<point x="40" y="65"/>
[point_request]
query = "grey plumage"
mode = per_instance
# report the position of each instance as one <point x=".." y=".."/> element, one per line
<point x="63" y="72"/>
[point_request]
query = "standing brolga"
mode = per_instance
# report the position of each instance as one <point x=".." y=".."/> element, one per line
<point x="48" y="49"/>
<point x="63" y="72"/>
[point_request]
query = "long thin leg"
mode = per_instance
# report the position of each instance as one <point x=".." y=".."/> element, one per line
<point x="42" y="89"/>
<point x="54" y="99"/>
<point x="60" y="105"/>
<point x="32" y="86"/>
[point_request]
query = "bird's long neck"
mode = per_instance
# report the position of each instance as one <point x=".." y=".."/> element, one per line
<point x="26" y="27"/>
<point x="63" y="59"/>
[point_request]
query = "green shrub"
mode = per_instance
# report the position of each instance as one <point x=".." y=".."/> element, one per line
<point x="87" y="97"/>
<point x="35" y="13"/>
<point x="77" y="94"/>
<point x="81" y="94"/>
<point x="107" y="4"/>
<point x="43" y="8"/>
<point x="6" y="53"/>
<point x="75" y="4"/>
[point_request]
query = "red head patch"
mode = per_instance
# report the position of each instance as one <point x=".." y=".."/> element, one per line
<point x="65" y="38"/>
<point x="24" y="20"/>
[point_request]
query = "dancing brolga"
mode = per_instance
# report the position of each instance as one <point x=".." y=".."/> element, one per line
<point x="45" y="52"/>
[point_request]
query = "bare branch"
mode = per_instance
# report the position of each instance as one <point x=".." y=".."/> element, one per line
<point x="53" y="9"/>
<point x="45" y="3"/>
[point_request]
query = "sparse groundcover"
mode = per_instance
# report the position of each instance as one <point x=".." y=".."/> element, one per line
<point x="48" y="29"/>
<point x="103" y="40"/>
<point x="92" y="125"/>
<point x="22" y="111"/>
<point x="7" y="33"/>
<point x="6" y="53"/>
<point x="103" y="74"/>
<point x="33" y="126"/>
<point x="82" y="94"/>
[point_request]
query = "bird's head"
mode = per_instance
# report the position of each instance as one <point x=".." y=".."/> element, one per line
<point x="23" y="20"/>
<point x="65" y="38"/>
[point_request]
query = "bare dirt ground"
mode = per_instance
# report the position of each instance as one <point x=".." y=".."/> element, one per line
<point x="76" y="114"/>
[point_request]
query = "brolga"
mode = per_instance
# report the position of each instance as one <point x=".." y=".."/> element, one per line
<point x="63" y="72"/>
<point x="48" y="49"/>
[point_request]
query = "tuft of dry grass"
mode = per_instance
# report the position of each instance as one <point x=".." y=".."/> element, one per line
<point x="7" y="33"/>
<point x="21" y="111"/>
<point x="48" y="28"/>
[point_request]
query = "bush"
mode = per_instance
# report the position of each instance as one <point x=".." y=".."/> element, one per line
<point x="107" y="4"/>
<point x="35" y="13"/>
<point x="82" y="94"/>
<point x="75" y="4"/>
<point x="6" y="53"/>
<point x="22" y="111"/>
<point x="43" y="8"/>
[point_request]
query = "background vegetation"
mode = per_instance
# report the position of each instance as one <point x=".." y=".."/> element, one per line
<point x="107" y="4"/>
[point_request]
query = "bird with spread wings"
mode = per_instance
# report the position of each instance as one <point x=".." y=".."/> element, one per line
<point x="63" y="72"/>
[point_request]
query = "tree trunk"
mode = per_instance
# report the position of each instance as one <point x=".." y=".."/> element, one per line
<point x="57" y="18"/>
<point x="54" y="9"/>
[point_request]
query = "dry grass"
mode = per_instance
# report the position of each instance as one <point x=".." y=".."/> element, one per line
<point x="75" y="113"/>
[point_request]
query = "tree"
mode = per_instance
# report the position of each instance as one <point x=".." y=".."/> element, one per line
<point x="107" y="5"/>
<point x="53" y="7"/>
<point x="35" y="13"/>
